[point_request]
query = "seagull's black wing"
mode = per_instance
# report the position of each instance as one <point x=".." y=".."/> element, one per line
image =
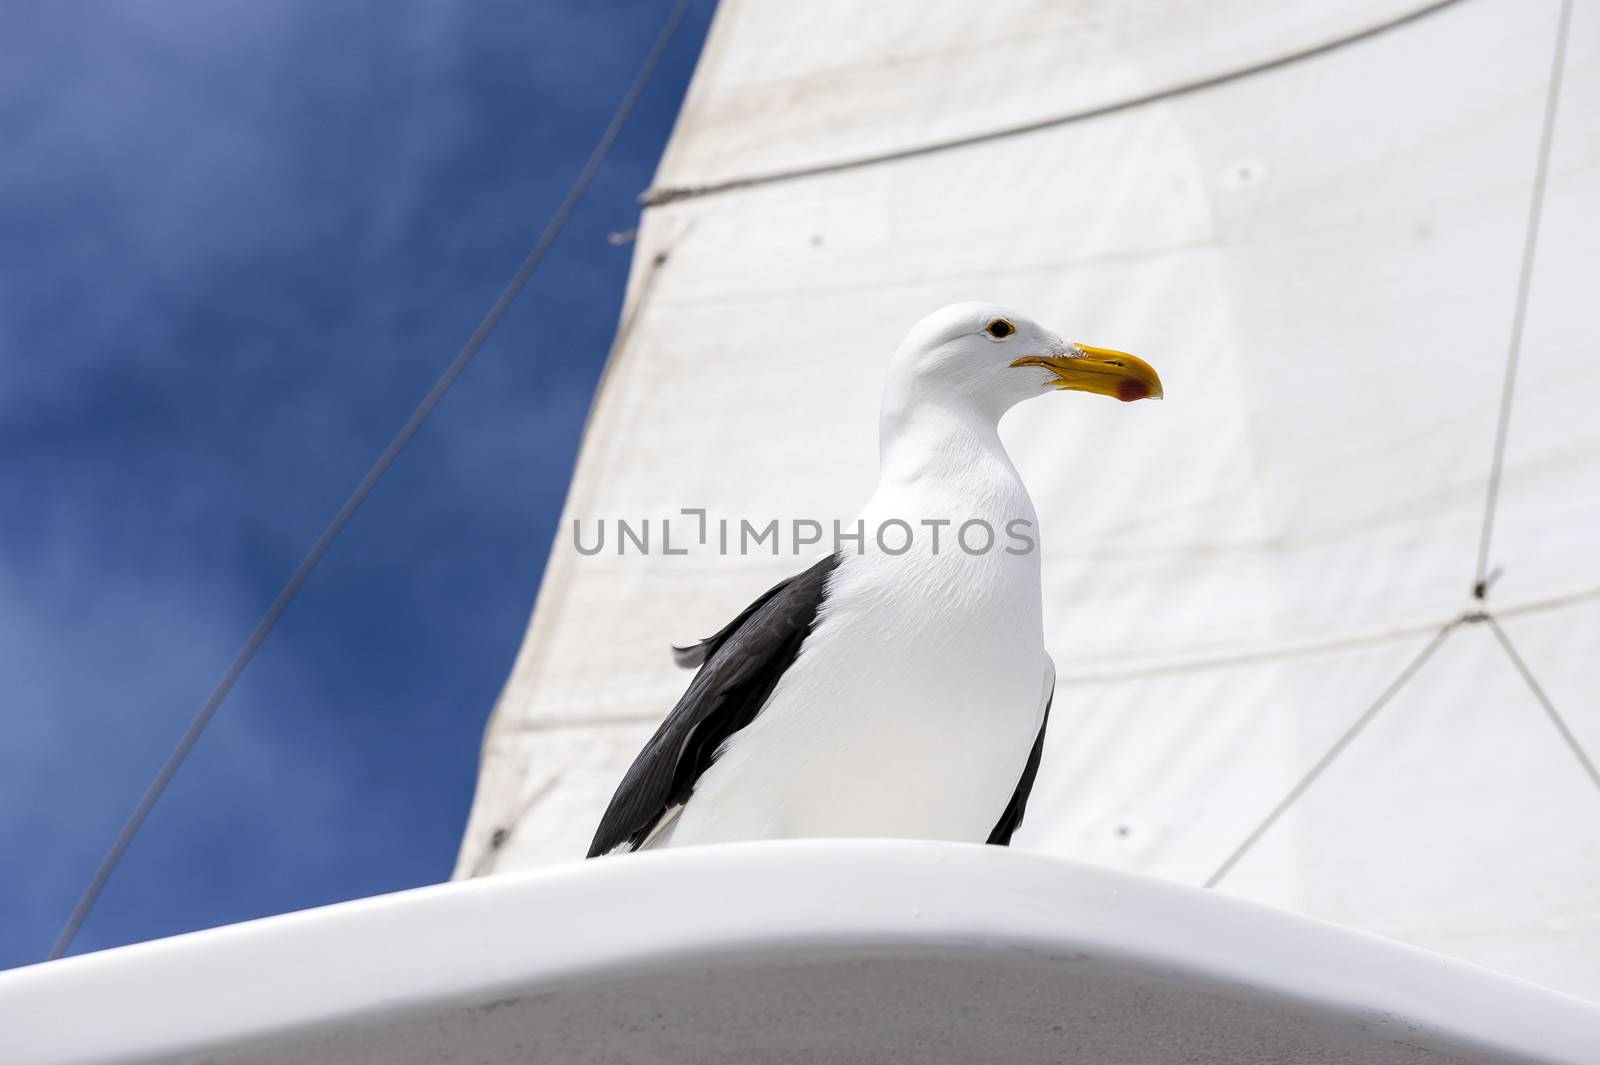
<point x="739" y="667"/>
<point x="1011" y="820"/>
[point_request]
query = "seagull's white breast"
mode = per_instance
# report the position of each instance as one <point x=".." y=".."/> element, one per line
<point x="917" y="697"/>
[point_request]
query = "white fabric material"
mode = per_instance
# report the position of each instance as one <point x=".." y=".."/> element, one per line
<point x="1320" y="259"/>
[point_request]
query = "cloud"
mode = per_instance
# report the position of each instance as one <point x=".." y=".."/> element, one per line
<point x="241" y="241"/>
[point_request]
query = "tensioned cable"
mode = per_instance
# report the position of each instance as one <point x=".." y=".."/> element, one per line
<point x="1530" y="247"/>
<point x="656" y="197"/>
<point x="1544" y="700"/>
<point x="1480" y="576"/>
<point x="1333" y="753"/>
<point x="192" y="734"/>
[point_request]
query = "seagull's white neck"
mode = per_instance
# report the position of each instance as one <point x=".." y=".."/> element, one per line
<point x="925" y="434"/>
<point x="942" y="464"/>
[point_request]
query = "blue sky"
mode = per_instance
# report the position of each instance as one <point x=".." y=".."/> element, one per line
<point x="238" y="241"/>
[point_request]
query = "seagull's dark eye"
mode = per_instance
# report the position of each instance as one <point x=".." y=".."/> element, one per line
<point x="1000" y="329"/>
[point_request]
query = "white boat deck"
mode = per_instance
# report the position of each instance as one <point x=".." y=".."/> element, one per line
<point x="816" y="951"/>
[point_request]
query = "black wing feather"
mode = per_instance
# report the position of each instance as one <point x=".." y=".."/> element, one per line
<point x="694" y="656"/>
<point x="739" y="667"/>
<point x="1011" y="820"/>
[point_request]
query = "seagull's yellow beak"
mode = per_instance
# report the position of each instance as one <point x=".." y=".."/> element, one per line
<point x="1101" y="371"/>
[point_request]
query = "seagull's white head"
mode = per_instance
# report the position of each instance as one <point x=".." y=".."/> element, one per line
<point x="985" y="359"/>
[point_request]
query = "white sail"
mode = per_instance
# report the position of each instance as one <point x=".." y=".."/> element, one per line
<point x="1311" y="219"/>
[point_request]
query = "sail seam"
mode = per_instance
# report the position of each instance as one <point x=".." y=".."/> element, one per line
<point x="567" y="721"/>
<point x="656" y="197"/>
<point x="1308" y="649"/>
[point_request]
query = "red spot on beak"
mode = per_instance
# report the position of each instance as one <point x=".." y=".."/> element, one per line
<point x="1129" y="390"/>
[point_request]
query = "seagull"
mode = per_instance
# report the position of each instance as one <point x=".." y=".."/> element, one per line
<point x="898" y="687"/>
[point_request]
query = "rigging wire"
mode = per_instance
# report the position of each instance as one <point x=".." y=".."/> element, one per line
<point x="1481" y="576"/>
<point x="1333" y="752"/>
<point x="1530" y="247"/>
<point x="491" y="319"/>
<point x="1544" y="700"/>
